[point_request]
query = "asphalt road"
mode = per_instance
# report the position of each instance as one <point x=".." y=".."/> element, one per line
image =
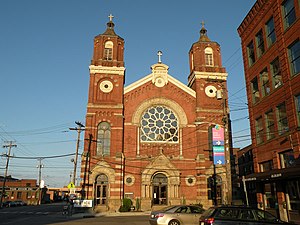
<point x="51" y="214"/>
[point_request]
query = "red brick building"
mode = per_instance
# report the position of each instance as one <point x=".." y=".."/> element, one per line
<point x="24" y="189"/>
<point x="271" y="51"/>
<point x="150" y="141"/>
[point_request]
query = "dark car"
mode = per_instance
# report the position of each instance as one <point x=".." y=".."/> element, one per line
<point x="230" y="215"/>
<point x="177" y="215"/>
<point x="9" y="204"/>
<point x="20" y="203"/>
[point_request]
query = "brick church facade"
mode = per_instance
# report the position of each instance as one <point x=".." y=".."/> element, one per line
<point x="151" y="141"/>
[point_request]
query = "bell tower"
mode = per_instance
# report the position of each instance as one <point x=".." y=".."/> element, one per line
<point x="209" y="80"/>
<point x="207" y="76"/>
<point x="104" y="118"/>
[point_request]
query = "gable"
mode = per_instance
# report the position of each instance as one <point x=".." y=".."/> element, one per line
<point x="160" y="78"/>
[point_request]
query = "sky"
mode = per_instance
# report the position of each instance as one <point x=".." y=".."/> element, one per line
<point x="45" y="52"/>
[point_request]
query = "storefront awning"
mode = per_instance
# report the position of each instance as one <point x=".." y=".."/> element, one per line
<point x="275" y="174"/>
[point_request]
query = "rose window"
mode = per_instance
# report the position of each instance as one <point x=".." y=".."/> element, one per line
<point x="159" y="124"/>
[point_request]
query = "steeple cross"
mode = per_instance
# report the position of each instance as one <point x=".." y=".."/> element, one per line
<point x="159" y="54"/>
<point x="110" y="17"/>
<point x="202" y="23"/>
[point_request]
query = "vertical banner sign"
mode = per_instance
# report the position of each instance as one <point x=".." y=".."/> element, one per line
<point x="218" y="145"/>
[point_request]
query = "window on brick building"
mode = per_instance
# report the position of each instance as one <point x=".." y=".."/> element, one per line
<point x="276" y="73"/>
<point x="287" y="159"/>
<point x="159" y="124"/>
<point x="265" y="83"/>
<point x="270" y="125"/>
<point x="255" y="91"/>
<point x="288" y="11"/>
<point x="19" y="195"/>
<point x="282" y="120"/>
<point x="209" y="57"/>
<point x="294" y="57"/>
<point x="108" y="50"/>
<point x="266" y="166"/>
<point x="297" y="102"/>
<point x="259" y="127"/>
<point x="250" y="52"/>
<point x="260" y="44"/>
<point x="270" y="32"/>
<point x="103" y="139"/>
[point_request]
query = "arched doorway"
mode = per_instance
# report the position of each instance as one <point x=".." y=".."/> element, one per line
<point x="101" y="189"/>
<point x="160" y="189"/>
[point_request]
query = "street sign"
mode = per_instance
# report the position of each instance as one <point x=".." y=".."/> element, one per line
<point x="218" y="145"/>
<point x="71" y="185"/>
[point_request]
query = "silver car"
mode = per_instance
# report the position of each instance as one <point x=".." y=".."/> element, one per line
<point x="177" y="215"/>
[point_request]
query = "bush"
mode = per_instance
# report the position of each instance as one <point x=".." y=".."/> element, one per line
<point x="127" y="203"/>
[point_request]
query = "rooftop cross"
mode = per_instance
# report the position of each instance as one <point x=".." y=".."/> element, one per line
<point x="110" y="17"/>
<point x="159" y="53"/>
<point x="202" y="23"/>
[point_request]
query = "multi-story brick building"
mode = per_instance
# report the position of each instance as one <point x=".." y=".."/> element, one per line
<point x="150" y="141"/>
<point x="20" y="189"/>
<point x="271" y="51"/>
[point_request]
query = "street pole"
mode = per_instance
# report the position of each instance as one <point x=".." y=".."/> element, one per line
<point x="227" y="148"/>
<point x="79" y="128"/>
<point x="87" y="155"/>
<point x="40" y="166"/>
<point x="245" y="190"/>
<point x="9" y="146"/>
<point x="214" y="182"/>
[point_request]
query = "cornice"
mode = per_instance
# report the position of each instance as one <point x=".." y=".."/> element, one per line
<point x="208" y="75"/>
<point x="107" y="70"/>
<point x="92" y="105"/>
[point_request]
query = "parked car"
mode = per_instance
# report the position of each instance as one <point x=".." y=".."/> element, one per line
<point x="177" y="215"/>
<point x="20" y="203"/>
<point x="9" y="204"/>
<point x="229" y="215"/>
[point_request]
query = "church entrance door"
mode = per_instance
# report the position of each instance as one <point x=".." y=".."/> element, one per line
<point x="101" y="188"/>
<point x="160" y="189"/>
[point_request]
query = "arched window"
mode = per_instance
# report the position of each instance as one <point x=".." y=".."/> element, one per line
<point x="209" y="57"/>
<point x="108" y="50"/>
<point x="103" y="139"/>
<point x="159" y="124"/>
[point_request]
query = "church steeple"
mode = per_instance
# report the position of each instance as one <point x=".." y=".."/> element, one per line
<point x="205" y="58"/>
<point x="108" y="47"/>
<point x="110" y="27"/>
<point x="203" y="34"/>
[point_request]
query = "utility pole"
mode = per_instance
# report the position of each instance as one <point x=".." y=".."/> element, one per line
<point x="84" y="193"/>
<point x="40" y="166"/>
<point x="227" y="145"/>
<point x="9" y="146"/>
<point x="79" y="128"/>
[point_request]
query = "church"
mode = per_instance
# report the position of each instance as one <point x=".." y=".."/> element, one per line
<point x="157" y="141"/>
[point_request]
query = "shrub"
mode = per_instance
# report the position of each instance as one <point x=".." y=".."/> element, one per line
<point x="126" y="205"/>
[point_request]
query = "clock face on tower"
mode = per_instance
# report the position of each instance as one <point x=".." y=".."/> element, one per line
<point x="211" y="91"/>
<point x="106" y="86"/>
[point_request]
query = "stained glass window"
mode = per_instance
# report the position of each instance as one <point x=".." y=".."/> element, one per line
<point x="159" y="124"/>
